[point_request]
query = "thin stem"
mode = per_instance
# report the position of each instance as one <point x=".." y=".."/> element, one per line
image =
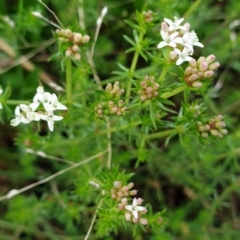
<point x="93" y="220"/>
<point x="69" y="80"/>
<point x="109" y="146"/>
<point x="40" y="1"/>
<point x="52" y="176"/>
<point x="192" y="8"/>
<point x="133" y="66"/>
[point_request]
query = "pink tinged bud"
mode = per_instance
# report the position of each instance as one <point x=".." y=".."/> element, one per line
<point x="130" y="185"/>
<point x="204" y="135"/>
<point x="114" y="109"/>
<point x="214" y="132"/>
<point x="77" y="56"/>
<point x="68" y="52"/>
<point x="108" y="87"/>
<point x="139" y="201"/>
<point x="220" y="125"/>
<point x="77" y="37"/>
<point x="164" y="27"/>
<point x="218" y="118"/>
<point x="211" y="121"/>
<point x="111" y="104"/>
<point x="124" y="201"/>
<point x="75" y="48"/>
<point x="132" y="192"/>
<point x="121" y="206"/>
<point x="208" y="74"/>
<point x="124" y="188"/>
<point x="187" y="26"/>
<point x="223" y="131"/>
<point x="143" y="84"/>
<point x="128" y="217"/>
<point x="143" y="221"/>
<point x="68" y="33"/>
<point x="156" y="86"/>
<point x="120" y="194"/>
<point x="199" y="75"/>
<point x="155" y="94"/>
<point x="201" y="59"/>
<point x="134" y="220"/>
<point x="207" y="127"/>
<point x="193" y="77"/>
<point x="85" y="39"/>
<point x="203" y="66"/>
<point x="125" y="194"/>
<point x="100" y="111"/>
<point x="202" y="129"/>
<point x="199" y="124"/>
<point x="149" y="89"/>
<point x="113" y="196"/>
<point x="193" y="63"/>
<point x="214" y="66"/>
<point x="172" y="55"/>
<point x="188" y="71"/>
<point x="210" y="58"/>
<point x="197" y="84"/>
<point x="143" y="98"/>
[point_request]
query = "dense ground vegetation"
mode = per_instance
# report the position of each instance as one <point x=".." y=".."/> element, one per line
<point x="110" y="135"/>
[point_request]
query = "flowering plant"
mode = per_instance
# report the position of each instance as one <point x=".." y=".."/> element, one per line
<point x="100" y="144"/>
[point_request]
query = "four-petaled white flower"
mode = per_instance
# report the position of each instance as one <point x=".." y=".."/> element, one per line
<point x="54" y="104"/>
<point x="169" y="40"/>
<point x="50" y="118"/>
<point x="134" y="208"/>
<point x="173" y="26"/>
<point x="183" y="56"/>
<point x="41" y="96"/>
<point x="1" y="91"/>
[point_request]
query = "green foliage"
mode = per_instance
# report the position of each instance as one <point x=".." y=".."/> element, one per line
<point x="113" y="132"/>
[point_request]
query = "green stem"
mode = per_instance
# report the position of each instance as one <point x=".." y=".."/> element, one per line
<point x="192" y="8"/>
<point x="69" y="80"/>
<point x="133" y="66"/>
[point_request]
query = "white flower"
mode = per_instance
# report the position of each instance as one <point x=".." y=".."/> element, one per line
<point x="183" y="56"/>
<point x="134" y="208"/>
<point x="20" y="118"/>
<point x="174" y="25"/>
<point x="41" y="96"/>
<point x="50" y="118"/>
<point x="190" y="39"/>
<point x="54" y="104"/>
<point x="169" y="40"/>
<point x="1" y="91"/>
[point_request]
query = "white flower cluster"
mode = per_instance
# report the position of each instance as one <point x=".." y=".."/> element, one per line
<point x="179" y="38"/>
<point x="28" y="113"/>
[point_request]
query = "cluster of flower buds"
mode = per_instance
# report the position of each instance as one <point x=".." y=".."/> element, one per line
<point x="149" y="88"/>
<point x="179" y="38"/>
<point x="119" y="191"/>
<point x="199" y="70"/>
<point x="148" y="16"/>
<point x="195" y="110"/>
<point x="134" y="211"/>
<point x="34" y="111"/>
<point x="114" y="90"/>
<point x="117" y="108"/>
<point x="113" y="105"/>
<point x="75" y="40"/>
<point x="215" y="127"/>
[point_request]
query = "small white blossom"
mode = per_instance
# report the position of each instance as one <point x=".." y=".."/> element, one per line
<point x="20" y="118"/>
<point x="169" y="40"/>
<point x="183" y="56"/>
<point x="190" y="39"/>
<point x="172" y="26"/>
<point x="54" y="104"/>
<point x="134" y="208"/>
<point x="41" y="96"/>
<point x="50" y="118"/>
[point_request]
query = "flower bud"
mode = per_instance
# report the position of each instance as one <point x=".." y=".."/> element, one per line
<point x="77" y="37"/>
<point x="85" y="39"/>
<point x="197" y="84"/>
<point x="143" y="221"/>
<point x="210" y="58"/>
<point x="208" y="74"/>
<point x="214" y="66"/>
